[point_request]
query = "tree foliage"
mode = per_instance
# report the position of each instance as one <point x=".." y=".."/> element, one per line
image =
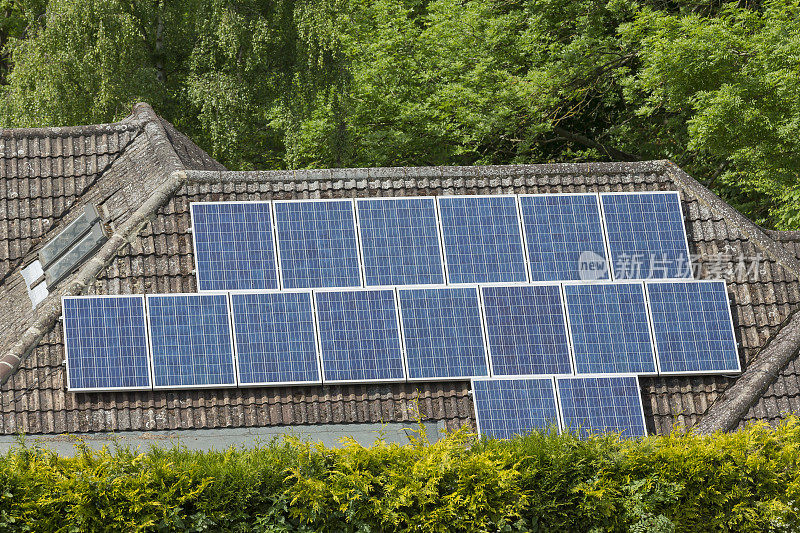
<point x="712" y="86"/>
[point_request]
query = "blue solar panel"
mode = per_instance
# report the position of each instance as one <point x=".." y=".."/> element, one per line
<point x="526" y="329"/>
<point x="400" y="241"/>
<point x="317" y="244"/>
<point x="564" y="235"/>
<point x="591" y="405"/>
<point x="443" y="333"/>
<point x="106" y="343"/>
<point x="190" y="340"/>
<point x="275" y="338"/>
<point x="610" y="329"/>
<point x="234" y="247"/>
<point x="482" y="239"/>
<point x="508" y="407"/>
<point x="359" y="336"/>
<point x="692" y="327"/>
<point x="646" y="235"/>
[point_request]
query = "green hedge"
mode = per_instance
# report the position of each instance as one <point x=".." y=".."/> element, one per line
<point x="745" y="481"/>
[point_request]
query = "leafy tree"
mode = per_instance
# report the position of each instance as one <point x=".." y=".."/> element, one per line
<point x="295" y="83"/>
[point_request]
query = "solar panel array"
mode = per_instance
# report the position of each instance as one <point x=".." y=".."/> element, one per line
<point x="525" y="295"/>
<point x="374" y="242"/>
<point x="583" y="406"/>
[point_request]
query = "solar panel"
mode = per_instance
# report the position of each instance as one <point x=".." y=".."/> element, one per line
<point x="400" y="241"/>
<point x="106" y="343"/>
<point x="234" y="246"/>
<point x="190" y="340"/>
<point x="442" y="333"/>
<point x="592" y="404"/>
<point x="526" y="330"/>
<point x="482" y="239"/>
<point x="317" y="243"/>
<point x="564" y="237"/>
<point x="693" y="328"/>
<point x="609" y="328"/>
<point x="646" y="235"/>
<point x="359" y="336"/>
<point x="275" y="338"/>
<point x="508" y="407"/>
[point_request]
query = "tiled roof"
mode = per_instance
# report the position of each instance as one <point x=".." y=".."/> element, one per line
<point x="151" y="252"/>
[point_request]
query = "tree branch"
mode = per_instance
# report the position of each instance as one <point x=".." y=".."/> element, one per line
<point x="611" y="152"/>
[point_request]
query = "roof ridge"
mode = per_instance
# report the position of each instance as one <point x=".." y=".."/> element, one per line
<point x="69" y="131"/>
<point x="656" y="165"/>
<point x="157" y="135"/>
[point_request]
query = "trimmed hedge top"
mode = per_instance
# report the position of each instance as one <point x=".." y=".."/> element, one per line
<point x="744" y="481"/>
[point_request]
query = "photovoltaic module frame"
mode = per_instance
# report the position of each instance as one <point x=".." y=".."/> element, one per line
<point x="359" y="335"/>
<point x="234" y="246"/>
<point x="400" y="241"/>
<point x="506" y="407"/>
<point x="317" y="243"/>
<point x="564" y="237"/>
<point x="190" y="340"/>
<point x="601" y="404"/>
<point x="526" y="329"/>
<point x="693" y="327"/>
<point x="275" y="338"/>
<point x="646" y="235"/>
<point x="442" y="333"/>
<point x="105" y="339"/>
<point x="609" y="327"/>
<point x="482" y="239"/>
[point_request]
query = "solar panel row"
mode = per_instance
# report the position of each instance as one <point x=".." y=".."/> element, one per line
<point x="414" y="333"/>
<point x="582" y="405"/>
<point x="448" y="239"/>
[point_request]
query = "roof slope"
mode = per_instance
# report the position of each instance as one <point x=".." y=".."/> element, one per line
<point x="151" y="251"/>
<point x="48" y="176"/>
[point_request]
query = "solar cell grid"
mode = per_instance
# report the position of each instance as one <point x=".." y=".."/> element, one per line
<point x="400" y="241"/>
<point x="482" y="239"/>
<point x="508" y="407"/>
<point x="646" y="235"/>
<point x="359" y="335"/>
<point x="609" y="328"/>
<point x="564" y="237"/>
<point x="275" y="338"/>
<point x="442" y="333"/>
<point x="602" y="404"/>
<point x="191" y="341"/>
<point x="234" y="246"/>
<point x="106" y="343"/>
<point x="317" y="244"/>
<point x="526" y="330"/>
<point x="693" y="328"/>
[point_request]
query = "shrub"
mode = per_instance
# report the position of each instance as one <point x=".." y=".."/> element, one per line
<point x="743" y="481"/>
